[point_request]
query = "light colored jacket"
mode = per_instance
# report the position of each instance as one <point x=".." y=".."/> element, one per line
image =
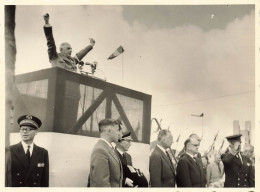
<point x="105" y="167"/>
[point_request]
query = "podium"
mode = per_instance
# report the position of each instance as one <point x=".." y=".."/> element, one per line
<point x="72" y="103"/>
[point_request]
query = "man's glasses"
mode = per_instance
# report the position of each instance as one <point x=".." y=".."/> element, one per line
<point x="26" y="129"/>
<point x="195" y="145"/>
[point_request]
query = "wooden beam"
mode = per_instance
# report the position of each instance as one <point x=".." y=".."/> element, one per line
<point x="109" y="104"/>
<point x="124" y="117"/>
<point x="88" y="113"/>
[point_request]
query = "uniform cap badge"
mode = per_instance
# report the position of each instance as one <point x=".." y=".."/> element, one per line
<point x="28" y="117"/>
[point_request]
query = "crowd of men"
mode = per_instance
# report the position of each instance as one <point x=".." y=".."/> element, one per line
<point x="111" y="166"/>
<point x="194" y="170"/>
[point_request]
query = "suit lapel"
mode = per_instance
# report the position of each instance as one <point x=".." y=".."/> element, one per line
<point x="114" y="155"/>
<point x="167" y="159"/>
<point x="34" y="160"/>
<point x="19" y="152"/>
<point x="117" y="158"/>
<point x="111" y="151"/>
<point x="193" y="161"/>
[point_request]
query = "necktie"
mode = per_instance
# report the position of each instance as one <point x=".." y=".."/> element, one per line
<point x="240" y="158"/>
<point x="196" y="161"/>
<point x="170" y="156"/>
<point x="28" y="155"/>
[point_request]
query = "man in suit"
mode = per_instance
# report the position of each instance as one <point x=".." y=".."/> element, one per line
<point x="190" y="171"/>
<point x="29" y="163"/>
<point x="132" y="177"/>
<point x="162" y="173"/>
<point x="182" y="152"/>
<point x="63" y="59"/>
<point x="238" y="168"/>
<point x="105" y="166"/>
<point x="68" y="116"/>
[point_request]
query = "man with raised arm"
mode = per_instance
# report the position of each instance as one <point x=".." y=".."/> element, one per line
<point x="238" y="168"/>
<point x="64" y="58"/>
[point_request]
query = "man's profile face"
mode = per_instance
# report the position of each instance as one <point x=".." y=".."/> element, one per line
<point x="125" y="144"/>
<point x="193" y="146"/>
<point x="168" y="140"/>
<point x="235" y="144"/>
<point x="27" y="133"/>
<point x="115" y="132"/>
<point x="248" y="151"/>
<point x="66" y="49"/>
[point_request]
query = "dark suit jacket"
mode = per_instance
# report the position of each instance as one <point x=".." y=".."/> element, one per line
<point x="127" y="160"/>
<point x="138" y="178"/>
<point x="161" y="169"/>
<point x="57" y="59"/>
<point x="35" y="174"/>
<point x="105" y="167"/>
<point x="236" y="173"/>
<point x="190" y="173"/>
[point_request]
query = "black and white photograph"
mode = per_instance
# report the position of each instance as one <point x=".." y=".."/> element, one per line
<point x="130" y="95"/>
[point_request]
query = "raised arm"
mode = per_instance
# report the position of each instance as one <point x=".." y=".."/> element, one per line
<point x="52" y="52"/>
<point x="85" y="51"/>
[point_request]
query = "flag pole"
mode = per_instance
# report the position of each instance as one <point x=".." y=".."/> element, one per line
<point x="122" y="69"/>
<point x="202" y="132"/>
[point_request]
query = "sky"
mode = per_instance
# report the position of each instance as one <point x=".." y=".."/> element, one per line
<point x="191" y="59"/>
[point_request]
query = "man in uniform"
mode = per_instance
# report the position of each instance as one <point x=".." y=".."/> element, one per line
<point x="63" y="59"/>
<point x="105" y="166"/>
<point x="29" y="163"/>
<point x="190" y="171"/>
<point x="162" y="172"/>
<point x="132" y="177"/>
<point x="237" y="167"/>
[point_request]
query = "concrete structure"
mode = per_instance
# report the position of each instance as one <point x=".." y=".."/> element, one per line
<point x="236" y="127"/>
<point x="246" y="133"/>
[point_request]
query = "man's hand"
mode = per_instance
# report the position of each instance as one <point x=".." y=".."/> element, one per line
<point x="234" y="148"/>
<point x="237" y="146"/>
<point x="92" y="42"/>
<point x="46" y="18"/>
<point x="129" y="182"/>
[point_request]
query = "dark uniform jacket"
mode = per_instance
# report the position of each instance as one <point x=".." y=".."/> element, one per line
<point x="59" y="60"/>
<point x="162" y="173"/>
<point x="137" y="177"/>
<point x="125" y="160"/>
<point x="238" y="174"/>
<point x="35" y="174"/>
<point x="190" y="173"/>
